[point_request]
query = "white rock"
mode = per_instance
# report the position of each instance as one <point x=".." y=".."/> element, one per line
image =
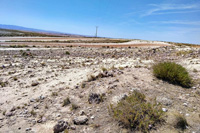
<point x="185" y="104"/>
<point x="80" y="120"/>
<point x="92" y="117"/>
<point x="164" y="109"/>
<point x="187" y="114"/>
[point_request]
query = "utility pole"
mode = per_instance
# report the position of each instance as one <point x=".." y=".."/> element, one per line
<point x="96" y="31"/>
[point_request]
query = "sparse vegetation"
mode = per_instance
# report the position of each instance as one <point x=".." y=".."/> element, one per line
<point x="74" y="107"/>
<point x="195" y="70"/>
<point x="3" y="84"/>
<point x="26" y="54"/>
<point x="18" y="46"/>
<point x="83" y="85"/>
<point x="180" y="53"/>
<point x="104" y="69"/>
<point x="33" y="113"/>
<point x="12" y="33"/>
<point x="67" y="53"/>
<point x="136" y="113"/>
<point x="66" y="131"/>
<point x="15" y="78"/>
<point x="77" y="41"/>
<point x="54" y="94"/>
<point x="173" y="73"/>
<point x="4" y="112"/>
<point x="66" y="102"/>
<point x="180" y="122"/>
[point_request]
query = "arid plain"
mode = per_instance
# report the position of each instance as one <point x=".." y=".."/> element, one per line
<point x="47" y="80"/>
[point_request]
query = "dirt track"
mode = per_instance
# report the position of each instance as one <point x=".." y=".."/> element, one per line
<point x="81" y="44"/>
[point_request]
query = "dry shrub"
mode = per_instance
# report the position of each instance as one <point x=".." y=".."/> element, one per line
<point x="136" y="113"/>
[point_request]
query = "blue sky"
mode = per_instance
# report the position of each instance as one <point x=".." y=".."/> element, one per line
<point x="166" y="20"/>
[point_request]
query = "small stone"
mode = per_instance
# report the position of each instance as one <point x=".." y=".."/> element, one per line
<point x="60" y="126"/>
<point x="35" y="106"/>
<point x="82" y="112"/>
<point x="80" y="120"/>
<point x="185" y="104"/>
<point x="92" y="117"/>
<point x="42" y="97"/>
<point x="12" y="109"/>
<point x="39" y="121"/>
<point x="35" y="83"/>
<point x="72" y="127"/>
<point x="44" y="119"/>
<point x="150" y="126"/>
<point x="194" y="88"/>
<point x="187" y="114"/>
<point x="28" y="129"/>
<point x="9" y="114"/>
<point x="134" y="89"/>
<point x="25" y="112"/>
<point x="32" y="100"/>
<point x="164" y="109"/>
<point x="77" y="87"/>
<point x="34" y="122"/>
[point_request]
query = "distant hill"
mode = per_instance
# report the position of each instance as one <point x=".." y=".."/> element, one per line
<point x="13" y="30"/>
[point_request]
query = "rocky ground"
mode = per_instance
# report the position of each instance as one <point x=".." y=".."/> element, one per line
<point x="72" y="87"/>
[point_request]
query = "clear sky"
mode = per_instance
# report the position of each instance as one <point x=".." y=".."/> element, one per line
<point x="165" y="20"/>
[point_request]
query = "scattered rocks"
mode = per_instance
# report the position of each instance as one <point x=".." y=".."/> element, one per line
<point x="60" y="126"/>
<point x="81" y="120"/>
<point x="8" y="114"/>
<point x="94" y="98"/>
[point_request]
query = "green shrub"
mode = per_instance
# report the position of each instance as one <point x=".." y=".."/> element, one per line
<point x="136" y="113"/>
<point x="3" y="84"/>
<point x="66" y="102"/>
<point x="173" y="73"/>
<point x="67" y="53"/>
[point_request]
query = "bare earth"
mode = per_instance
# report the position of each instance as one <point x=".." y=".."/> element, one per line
<point x="49" y="41"/>
<point x="37" y="83"/>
